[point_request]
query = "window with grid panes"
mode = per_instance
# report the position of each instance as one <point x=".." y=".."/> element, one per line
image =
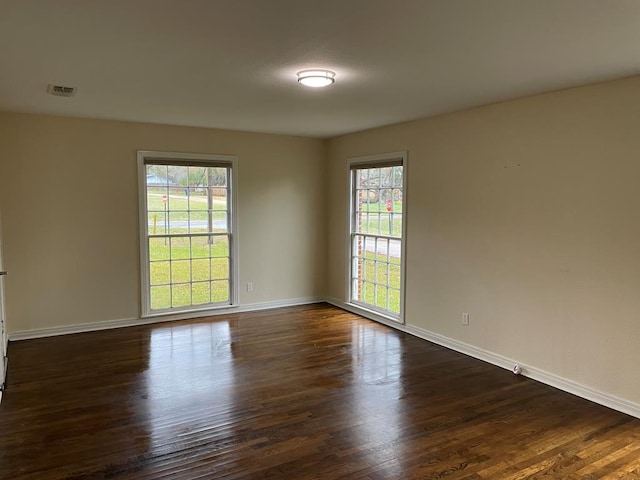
<point x="376" y="236"/>
<point x="188" y="234"/>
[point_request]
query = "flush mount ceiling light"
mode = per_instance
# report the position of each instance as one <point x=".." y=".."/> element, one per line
<point x="316" y="78"/>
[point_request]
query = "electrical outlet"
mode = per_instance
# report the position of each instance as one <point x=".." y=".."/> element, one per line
<point x="249" y="287"/>
<point x="465" y="318"/>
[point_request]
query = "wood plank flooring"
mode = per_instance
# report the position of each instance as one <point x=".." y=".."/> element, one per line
<point x="299" y="393"/>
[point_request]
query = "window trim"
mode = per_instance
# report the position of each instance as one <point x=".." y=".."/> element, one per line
<point x="229" y="161"/>
<point x="377" y="161"/>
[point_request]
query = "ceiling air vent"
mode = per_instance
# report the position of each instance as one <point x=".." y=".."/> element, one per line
<point x="61" y="90"/>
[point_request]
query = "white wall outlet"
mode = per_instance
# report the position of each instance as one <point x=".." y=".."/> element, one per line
<point x="465" y="318"/>
<point x="249" y="287"/>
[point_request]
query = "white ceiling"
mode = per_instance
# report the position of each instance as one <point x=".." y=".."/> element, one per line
<point x="232" y="63"/>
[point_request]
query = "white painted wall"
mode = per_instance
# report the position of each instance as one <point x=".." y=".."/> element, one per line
<point x="69" y="198"/>
<point x="526" y="215"/>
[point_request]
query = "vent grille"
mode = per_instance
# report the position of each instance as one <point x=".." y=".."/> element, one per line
<point x="61" y="90"/>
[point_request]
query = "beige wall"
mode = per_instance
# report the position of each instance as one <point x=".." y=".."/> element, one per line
<point x="70" y="215"/>
<point x="526" y="215"/>
<point x="523" y="214"/>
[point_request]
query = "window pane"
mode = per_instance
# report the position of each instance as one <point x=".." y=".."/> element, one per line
<point x="372" y="222"/>
<point x="371" y="177"/>
<point x="159" y="273"/>
<point x="157" y="200"/>
<point x="367" y="292"/>
<point x="200" y="247"/>
<point x="219" y="246"/>
<point x="220" y="291"/>
<point x="219" y="196"/>
<point x="397" y="225"/>
<point x="219" y="268"/>
<point x="158" y="249"/>
<point x="198" y="198"/>
<point x="394" y="251"/>
<point x="397" y="177"/>
<point x="217" y="177"/>
<point x="394" y="300"/>
<point x="381" y="297"/>
<point x="386" y="196"/>
<point x="200" y="269"/>
<point x="200" y="293"/>
<point x="381" y="273"/>
<point x="394" y="276"/>
<point x="197" y="177"/>
<point x="180" y="248"/>
<point x="382" y="249"/>
<point x="156" y="223"/>
<point x="180" y="271"/>
<point x="179" y="175"/>
<point x="369" y="246"/>
<point x="181" y="295"/>
<point x="178" y="221"/>
<point x="199" y="221"/>
<point x="377" y="214"/>
<point x="160" y="297"/>
<point x="361" y="178"/>
<point x="219" y="219"/>
<point x="184" y="203"/>
<point x="366" y="273"/>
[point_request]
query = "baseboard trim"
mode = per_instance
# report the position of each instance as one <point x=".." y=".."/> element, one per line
<point x="132" y="322"/>
<point x="583" y="391"/>
<point x="564" y="384"/>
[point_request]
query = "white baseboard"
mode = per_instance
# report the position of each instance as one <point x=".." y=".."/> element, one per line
<point x="583" y="391"/>
<point x="132" y="322"/>
<point x="532" y="372"/>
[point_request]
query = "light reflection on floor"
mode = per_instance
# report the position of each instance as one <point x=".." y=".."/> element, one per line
<point x="192" y="399"/>
<point x="377" y="370"/>
<point x="190" y="370"/>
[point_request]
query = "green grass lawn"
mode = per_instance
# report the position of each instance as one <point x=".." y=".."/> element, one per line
<point x="380" y="221"/>
<point x="375" y="294"/>
<point x="382" y="206"/>
<point x="182" y="202"/>
<point x="185" y="295"/>
<point x="180" y="260"/>
<point x="186" y="271"/>
<point x="199" y="272"/>
<point x="376" y="219"/>
<point x="382" y="225"/>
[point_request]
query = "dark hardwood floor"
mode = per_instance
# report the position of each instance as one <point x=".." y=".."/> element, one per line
<point x="297" y="393"/>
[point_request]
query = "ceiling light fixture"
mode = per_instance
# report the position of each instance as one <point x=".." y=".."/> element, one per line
<point x="316" y="78"/>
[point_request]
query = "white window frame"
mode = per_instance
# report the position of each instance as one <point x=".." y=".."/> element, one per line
<point x="373" y="161"/>
<point x="196" y="158"/>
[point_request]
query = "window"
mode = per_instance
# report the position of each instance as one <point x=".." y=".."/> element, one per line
<point x="187" y="231"/>
<point x="376" y="233"/>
